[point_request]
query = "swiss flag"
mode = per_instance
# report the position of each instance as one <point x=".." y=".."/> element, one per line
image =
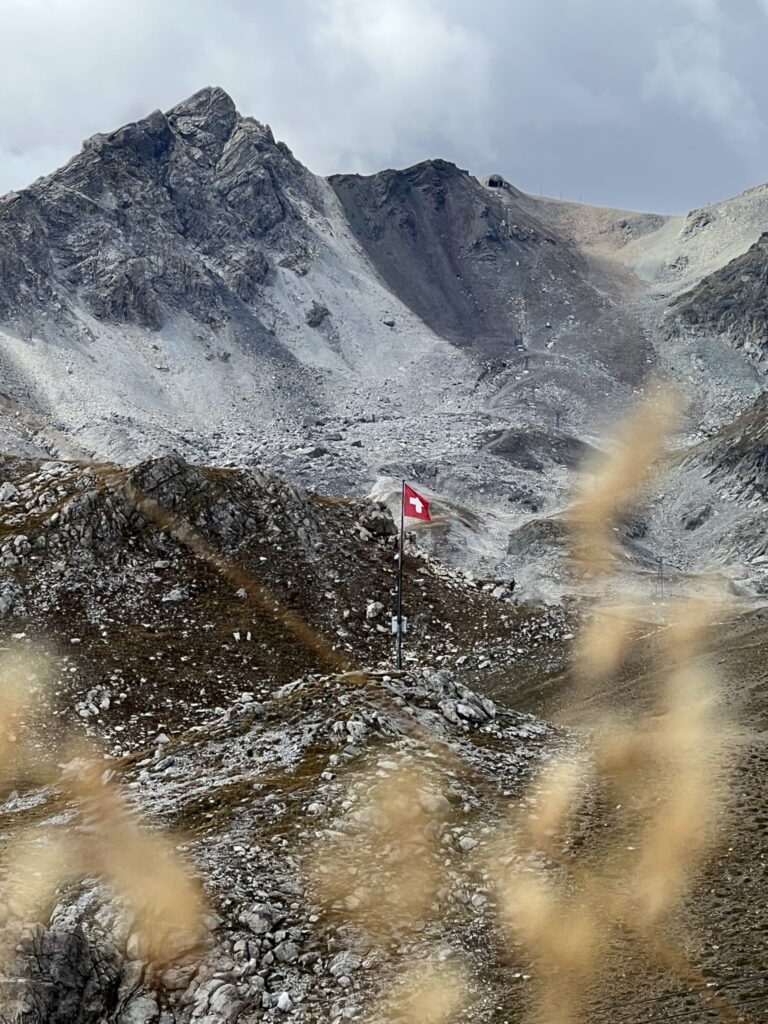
<point x="414" y="506"/>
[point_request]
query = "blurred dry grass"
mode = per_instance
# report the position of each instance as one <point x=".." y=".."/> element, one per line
<point x="612" y="483"/>
<point x="428" y="993"/>
<point x="103" y="840"/>
<point x="666" y="770"/>
<point x="381" y="874"/>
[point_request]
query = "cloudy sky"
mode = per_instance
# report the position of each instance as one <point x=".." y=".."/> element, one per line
<point x="648" y="104"/>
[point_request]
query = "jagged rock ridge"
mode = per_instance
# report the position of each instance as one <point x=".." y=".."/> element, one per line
<point x="236" y="571"/>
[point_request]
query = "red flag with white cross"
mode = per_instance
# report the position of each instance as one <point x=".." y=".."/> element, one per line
<point x="414" y="505"/>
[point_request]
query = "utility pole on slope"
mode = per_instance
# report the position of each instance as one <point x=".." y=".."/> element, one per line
<point x="415" y="506"/>
<point x="399" y="612"/>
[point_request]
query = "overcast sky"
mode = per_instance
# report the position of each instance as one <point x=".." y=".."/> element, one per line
<point x="648" y="104"/>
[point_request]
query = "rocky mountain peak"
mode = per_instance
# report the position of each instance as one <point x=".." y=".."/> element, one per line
<point x="206" y="120"/>
<point x="165" y="216"/>
<point x="146" y="140"/>
<point x="211" y="103"/>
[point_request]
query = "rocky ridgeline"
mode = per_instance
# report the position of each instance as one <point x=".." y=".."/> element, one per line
<point x="258" y="791"/>
<point x="85" y="512"/>
<point x="80" y="516"/>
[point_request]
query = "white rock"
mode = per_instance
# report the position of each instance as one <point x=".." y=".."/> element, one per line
<point x="287" y="952"/>
<point x="374" y="610"/>
<point x="434" y="803"/>
<point x="222" y="998"/>
<point x="344" y="963"/>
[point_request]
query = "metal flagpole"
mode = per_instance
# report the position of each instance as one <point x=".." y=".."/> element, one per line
<point x="399" y="615"/>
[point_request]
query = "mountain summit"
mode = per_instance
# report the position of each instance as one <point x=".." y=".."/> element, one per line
<point x="161" y="216"/>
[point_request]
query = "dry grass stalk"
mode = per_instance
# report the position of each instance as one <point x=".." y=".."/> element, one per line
<point x="604" y="642"/>
<point x="560" y="791"/>
<point x="387" y="860"/>
<point x="612" y="482"/>
<point x="563" y="936"/>
<point x="107" y="840"/>
<point x="428" y="993"/>
<point x="17" y="675"/>
<point x="141" y="867"/>
<point x="667" y="768"/>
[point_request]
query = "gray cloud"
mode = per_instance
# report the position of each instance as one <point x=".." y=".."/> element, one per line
<point x="691" y="68"/>
<point x="654" y="105"/>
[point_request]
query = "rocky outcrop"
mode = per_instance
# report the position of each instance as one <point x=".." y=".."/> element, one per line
<point x="67" y="977"/>
<point x="737" y="455"/>
<point x="278" y="578"/>
<point x="533" y="449"/>
<point x="732" y="302"/>
<point x="93" y="514"/>
<point x="317" y="314"/>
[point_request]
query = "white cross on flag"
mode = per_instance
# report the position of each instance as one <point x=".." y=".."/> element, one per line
<point x="414" y="506"/>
